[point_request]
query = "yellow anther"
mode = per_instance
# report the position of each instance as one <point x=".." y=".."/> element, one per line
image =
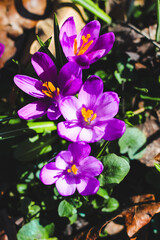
<point x="73" y="169"/>
<point x="50" y="92"/>
<point x="85" y="45"/>
<point x="88" y="115"/>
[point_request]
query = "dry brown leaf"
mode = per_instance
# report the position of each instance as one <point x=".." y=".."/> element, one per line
<point x="138" y="216"/>
<point x="152" y="131"/>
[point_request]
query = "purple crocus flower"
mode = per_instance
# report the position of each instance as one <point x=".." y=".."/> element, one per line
<point x="51" y="89"/>
<point x="90" y="117"/>
<point x="1" y="49"/>
<point x="73" y="169"/>
<point x="86" y="47"/>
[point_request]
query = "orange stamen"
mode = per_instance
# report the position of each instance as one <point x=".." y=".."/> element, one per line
<point x="85" y="45"/>
<point x="50" y="92"/>
<point x="73" y="169"/>
<point x="88" y="115"/>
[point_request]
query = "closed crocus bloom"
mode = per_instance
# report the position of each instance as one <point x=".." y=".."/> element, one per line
<point x="73" y="169"/>
<point x="1" y="49"/>
<point x="51" y="89"/>
<point x="91" y="117"/>
<point x="86" y="47"/>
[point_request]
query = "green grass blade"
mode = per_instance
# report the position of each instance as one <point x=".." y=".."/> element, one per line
<point x="93" y="8"/>
<point x="158" y="22"/>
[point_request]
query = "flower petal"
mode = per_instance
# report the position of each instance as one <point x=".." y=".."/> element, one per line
<point x="69" y="130"/>
<point x="49" y="174"/>
<point x="107" y="106"/>
<point x="91" y="89"/>
<point x="88" y="186"/>
<point x="44" y="67"/>
<point x="92" y="28"/>
<point x="79" y="150"/>
<point x="1" y="49"/>
<point x="91" y="166"/>
<point x="81" y="60"/>
<point x="68" y="107"/>
<point x="53" y="112"/>
<point x="29" y="85"/>
<point x="33" y="110"/>
<point x="95" y="55"/>
<point x="91" y="135"/>
<point x="66" y="185"/>
<point x="70" y="79"/>
<point x="104" y="42"/>
<point x="67" y="36"/>
<point x="115" y="128"/>
<point x="63" y="159"/>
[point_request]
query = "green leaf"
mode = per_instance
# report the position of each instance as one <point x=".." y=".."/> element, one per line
<point x="22" y="187"/>
<point x="73" y="218"/>
<point x="115" y="169"/>
<point x="103" y="193"/>
<point x="157" y="166"/>
<point x="29" y="150"/>
<point x="150" y="98"/>
<point x="65" y="209"/>
<point x="132" y="142"/>
<point x="111" y="205"/>
<point x="44" y="48"/>
<point x="93" y="8"/>
<point x="60" y="57"/>
<point x="41" y="127"/>
<point x="36" y="229"/>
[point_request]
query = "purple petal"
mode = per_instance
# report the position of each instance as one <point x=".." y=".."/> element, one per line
<point x="66" y="185"/>
<point x="69" y="130"/>
<point x="29" y="85"/>
<point x="115" y="128"/>
<point x="104" y="42"/>
<point x="94" y="56"/>
<point x="33" y="110"/>
<point x="79" y="150"/>
<point x="90" y="166"/>
<point x="107" y="106"/>
<point x="92" y="28"/>
<point x="81" y="60"/>
<point x="1" y="49"/>
<point x="53" y="112"/>
<point x="92" y="88"/>
<point x="67" y="36"/>
<point x="88" y="186"/>
<point x="49" y="174"/>
<point x="63" y="159"/>
<point x="44" y="67"/>
<point x="70" y="79"/>
<point x="68" y="107"/>
<point x="91" y="135"/>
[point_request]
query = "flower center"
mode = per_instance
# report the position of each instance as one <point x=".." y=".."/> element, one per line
<point x="88" y="115"/>
<point x="50" y="91"/>
<point x="85" y="45"/>
<point x="73" y="169"/>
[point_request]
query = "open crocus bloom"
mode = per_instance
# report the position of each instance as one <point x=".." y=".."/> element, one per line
<point x="1" y="49"/>
<point x="51" y="89"/>
<point x="90" y="117"/>
<point x="73" y="169"/>
<point x="86" y="47"/>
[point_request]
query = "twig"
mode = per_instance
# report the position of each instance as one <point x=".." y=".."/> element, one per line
<point x="143" y="34"/>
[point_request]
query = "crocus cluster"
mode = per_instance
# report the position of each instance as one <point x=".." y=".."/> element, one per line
<point x="89" y="116"/>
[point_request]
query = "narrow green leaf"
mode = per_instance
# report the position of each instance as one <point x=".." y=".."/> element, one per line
<point x="44" y="48"/>
<point x="60" y="58"/>
<point x="150" y="98"/>
<point x="141" y="89"/>
<point x="158" y="22"/>
<point x="93" y="8"/>
<point x="41" y="127"/>
<point x="157" y="166"/>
